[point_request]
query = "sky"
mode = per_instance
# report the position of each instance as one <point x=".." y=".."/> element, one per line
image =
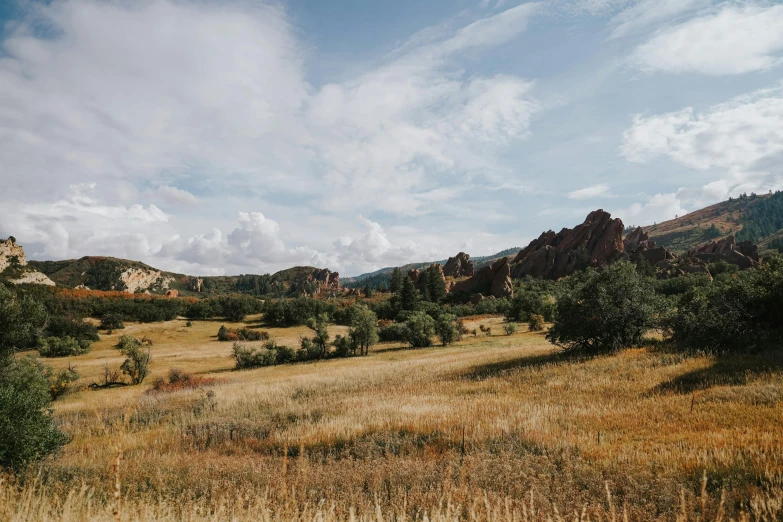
<point x="224" y="137"/>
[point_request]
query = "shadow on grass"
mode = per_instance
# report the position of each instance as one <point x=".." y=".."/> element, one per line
<point x="486" y="371"/>
<point x="728" y="370"/>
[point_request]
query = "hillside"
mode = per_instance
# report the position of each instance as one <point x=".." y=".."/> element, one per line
<point x="755" y="218"/>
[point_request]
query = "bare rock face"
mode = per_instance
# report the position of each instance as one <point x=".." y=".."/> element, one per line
<point x="638" y="244"/>
<point x="744" y="254"/>
<point x="326" y="280"/>
<point x="33" y="278"/>
<point x="494" y="279"/>
<point x="596" y="242"/>
<point x="139" y="280"/>
<point x="11" y="253"/>
<point x="459" y="266"/>
<point x="414" y="275"/>
<point x="195" y="284"/>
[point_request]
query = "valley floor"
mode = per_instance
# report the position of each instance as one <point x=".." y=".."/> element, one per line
<point x="499" y="427"/>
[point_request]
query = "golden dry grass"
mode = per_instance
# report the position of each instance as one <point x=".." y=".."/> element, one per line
<point x="466" y="431"/>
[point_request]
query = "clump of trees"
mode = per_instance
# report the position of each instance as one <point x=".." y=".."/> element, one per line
<point x="601" y="311"/>
<point x="62" y="347"/>
<point x="241" y="334"/>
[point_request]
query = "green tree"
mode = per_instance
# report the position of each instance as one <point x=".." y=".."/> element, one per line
<point x="395" y="285"/>
<point x="420" y="329"/>
<point x="605" y="310"/>
<point x="447" y="328"/>
<point x="27" y="431"/>
<point x="436" y="286"/>
<point x="22" y="322"/>
<point x="320" y="340"/>
<point x="137" y="364"/>
<point x="364" y="329"/>
<point x="409" y="295"/>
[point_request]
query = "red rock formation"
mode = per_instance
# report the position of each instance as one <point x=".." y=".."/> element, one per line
<point x="494" y="280"/>
<point x="459" y="266"/>
<point x="172" y="293"/>
<point x="195" y="283"/>
<point x="638" y="244"/>
<point x="744" y="255"/>
<point x="597" y="242"/>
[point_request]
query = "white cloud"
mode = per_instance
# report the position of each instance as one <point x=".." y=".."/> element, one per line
<point x="660" y="207"/>
<point x="732" y="135"/>
<point x="742" y="139"/>
<point x="589" y="192"/>
<point x="373" y="249"/>
<point x="734" y="40"/>
<point x="647" y="13"/>
<point x="175" y="196"/>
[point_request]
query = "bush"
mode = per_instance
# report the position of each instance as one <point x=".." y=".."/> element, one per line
<point x="27" y="431"/>
<point x="179" y="380"/>
<point x="535" y="323"/>
<point x="112" y="322"/>
<point x="737" y="312"/>
<point x="62" y="347"/>
<point x="188" y="324"/>
<point x="532" y="297"/>
<point x="22" y="321"/>
<point x="60" y="382"/>
<point x="601" y="311"/>
<point x="64" y="326"/>
<point x="394" y="332"/>
<point x="241" y="334"/>
<point x="510" y="328"/>
<point x="201" y="309"/>
<point x="448" y="329"/>
<point x="364" y="329"/>
<point x="136" y="365"/>
<point x="270" y="355"/>
<point x="420" y="329"/>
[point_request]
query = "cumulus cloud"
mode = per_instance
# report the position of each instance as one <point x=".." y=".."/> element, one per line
<point x="741" y="138"/>
<point x="175" y="196"/>
<point x="589" y="192"/>
<point x="734" y="40"/>
<point x="373" y="249"/>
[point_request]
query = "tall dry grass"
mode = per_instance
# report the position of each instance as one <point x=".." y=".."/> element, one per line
<point x="473" y="431"/>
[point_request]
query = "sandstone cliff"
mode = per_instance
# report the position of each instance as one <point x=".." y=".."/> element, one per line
<point x="596" y="242"/>
<point x="14" y="268"/>
<point x="494" y="280"/>
<point x="459" y="266"/>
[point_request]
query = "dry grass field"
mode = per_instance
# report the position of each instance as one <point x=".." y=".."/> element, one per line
<point x="491" y="428"/>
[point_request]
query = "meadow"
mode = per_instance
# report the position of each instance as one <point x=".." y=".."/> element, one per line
<point x="499" y="427"/>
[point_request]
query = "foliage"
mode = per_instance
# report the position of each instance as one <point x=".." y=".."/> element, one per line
<point x="200" y="309"/>
<point x="241" y="334"/>
<point x="60" y="382"/>
<point x="22" y="322"/>
<point x="112" y="322"/>
<point x="319" y="341"/>
<point x="393" y="332"/>
<point x="364" y="329"/>
<point x="535" y="323"/>
<point x="235" y="307"/>
<point x="605" y="310"/>
<point x="62" y="347"/>
<point x="420" y="329"/>
<point x="532" y="296"/>
<point x="762" y="218"/>
<point x="408" y="297"/>
<point x="65" y="326"/>
<point x="136" y="365"/>
<point x="447" y="328"/>
<point x="293" y="312"/>
<point x="737" y="312"/>
<point x="27" y="431"/>
<point x="270" y="355"/>
<point x="511" y="328"/>
<point x="179" y="380"/>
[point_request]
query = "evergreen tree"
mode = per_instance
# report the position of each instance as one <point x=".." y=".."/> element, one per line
<point x="409" y="296"/>
<point x="436" y="286"/>
<point x="395" y="286"/>
<point x="424" y="284"/>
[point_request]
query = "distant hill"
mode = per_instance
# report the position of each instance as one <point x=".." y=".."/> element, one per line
<point x="383" y="275"/>
<point x="756" y="218"/>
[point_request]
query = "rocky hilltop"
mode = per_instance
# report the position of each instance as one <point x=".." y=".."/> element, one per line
<point x="14" y="267"/>
<point x="597" y="241"/>
<point x="459" y="266"/>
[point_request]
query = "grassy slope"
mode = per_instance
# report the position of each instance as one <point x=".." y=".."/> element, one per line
<point x="387" y="430"/>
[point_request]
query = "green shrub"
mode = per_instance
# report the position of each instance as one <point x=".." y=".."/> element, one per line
<point x="364" y="329"/>
<point x="22" y="321"/>
<point x="420" y="329"/>
<point x="535" y="323"/>
<point x="62" y="347"/>
<point x="64" y="326"/>
<point x="737" y="312"/>
<point x="60" y="382"/>
<point x="604" y="310"/>
<point x="447" y="329"/>
<point x="136" y="365"/>
<point x="270" y="355"/>
<point x="510" y="328"/>
<point x="27" y="431"/>
<point x="112" y="322"/>
<point x="241" y="334"/>
<point x="394" y="332"/>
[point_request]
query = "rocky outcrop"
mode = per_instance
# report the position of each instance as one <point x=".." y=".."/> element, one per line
<point x="139" y="280"/>
<point x="13" y="259"/>
<point x="494" y="280"/>
<point x="172" y="293"/>
<point x="598" y="241"/>
<point x="11" y="254"/>
<point x="195" y="284"/>
<point x="459" y="266"/>
<point x="638" y="244"/>
<point x="744" y="254"/>
<point x="326" y="280"/>
<point x="33" y="278"/>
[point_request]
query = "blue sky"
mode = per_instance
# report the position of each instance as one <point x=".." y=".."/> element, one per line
<point x="244" y="137"/>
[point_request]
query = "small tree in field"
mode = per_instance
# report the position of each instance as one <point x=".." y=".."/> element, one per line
<point x="535" y="323"/>
<point x="320" y="340"/>
<point x="603" y="311"/>
<point x="137" y="364"/>
<point x="420" y="329"/>
<point x="364" y="329"/>
<point x="447" y="328"/>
